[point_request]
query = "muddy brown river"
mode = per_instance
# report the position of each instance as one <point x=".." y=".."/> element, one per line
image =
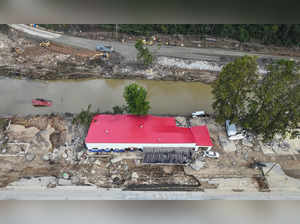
<point x="166" y="97"/>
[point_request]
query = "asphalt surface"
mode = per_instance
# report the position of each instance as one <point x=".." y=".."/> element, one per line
<point x="64" y="193"/>
<point x="128" y="50"/>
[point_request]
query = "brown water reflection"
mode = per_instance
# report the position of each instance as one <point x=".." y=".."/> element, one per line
<point x="166" y="97"/>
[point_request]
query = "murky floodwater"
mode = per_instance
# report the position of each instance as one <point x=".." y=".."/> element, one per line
<point x="166" y="97"/>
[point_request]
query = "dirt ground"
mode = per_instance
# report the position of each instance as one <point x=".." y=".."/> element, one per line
<point x="38" y="51"/>
<point x="57" y="146"/>
<point x="24" y="57"/>
<point x="102" y="172"/>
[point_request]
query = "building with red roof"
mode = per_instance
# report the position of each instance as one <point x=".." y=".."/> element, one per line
<point x="119" y="132"/>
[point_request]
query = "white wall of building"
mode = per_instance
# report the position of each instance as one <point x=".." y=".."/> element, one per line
<point x="135" y="145"/>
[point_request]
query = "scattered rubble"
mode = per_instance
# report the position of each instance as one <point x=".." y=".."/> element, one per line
<point x="61" y="62"/>
<point x="247" y="142"/>
<point x="75" y="180"/>
<point x="197" y="164"/>
<point x="134" y="176"/>
<point x="64" y="182"/>
<point x="65" y="162"/>
<point x="168" y="169"/>
<point x="29" y="156"/>
<point x="227" y="145"/>
<point x="181" y="122"/>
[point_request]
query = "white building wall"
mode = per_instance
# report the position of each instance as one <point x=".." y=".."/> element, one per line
<point x="135" y="145"/>
<point x="141" y="145"/>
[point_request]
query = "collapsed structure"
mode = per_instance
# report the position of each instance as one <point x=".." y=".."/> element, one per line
<point x="158" y="138"/>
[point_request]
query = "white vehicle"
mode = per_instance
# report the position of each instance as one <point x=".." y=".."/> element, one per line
<point x="211" y="154"/>
<point x="232" y="132"/>
<point x="200" y="113"/>
<point x="230" y="128"/>
<point x="237" y="136"/>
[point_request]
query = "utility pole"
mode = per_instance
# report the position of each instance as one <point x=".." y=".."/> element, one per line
<point x="117" y="31"/>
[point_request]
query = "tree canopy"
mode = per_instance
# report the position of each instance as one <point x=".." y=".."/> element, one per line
<point x="233" y="88"/>
<point x="268" y="105"/>
<point x="135" y="97"/>
<point x="143" y="54"/>
<point x="278" y="34"/>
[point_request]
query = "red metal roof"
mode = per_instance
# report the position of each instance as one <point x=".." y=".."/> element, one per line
<point x="201" y="135"/>
<point x="143" y="129"/>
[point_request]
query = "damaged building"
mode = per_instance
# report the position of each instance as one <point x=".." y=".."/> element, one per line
<point x="158" y="138"/>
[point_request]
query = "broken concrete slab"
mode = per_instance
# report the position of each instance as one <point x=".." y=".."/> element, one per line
<point x="134" y="175"/>
<point x="64" y="182"/>
<point x="294" y="144"/>
<point x="247" y="143"/>
<point x="227" y="145"/>
<point x="266" y="149"/>
<point x="116" y="159"/>
<point x="33" y="182"/>
<point x="279" y="181"/>
<point x="20" y="133"/>
<point x="197" y="165"/>
<point x="197" y="121"/>
<point x="75" y="180"/>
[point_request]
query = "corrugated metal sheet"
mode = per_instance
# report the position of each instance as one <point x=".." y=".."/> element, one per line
<point x="143" y="129"/>
<point x="167" y="156"/>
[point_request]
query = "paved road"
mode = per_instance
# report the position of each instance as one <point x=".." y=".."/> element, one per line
<point x="91" y="193"/>
<point x="128" y="50"/>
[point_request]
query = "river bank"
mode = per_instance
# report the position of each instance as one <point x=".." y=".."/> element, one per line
<point x="42" y="152"/>
<point x="22" y="56"/>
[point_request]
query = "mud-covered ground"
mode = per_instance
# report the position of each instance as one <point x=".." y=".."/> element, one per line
<point x="50" y="149"/>
<point x="23" y="57"/>
<point x="44" y="146"/>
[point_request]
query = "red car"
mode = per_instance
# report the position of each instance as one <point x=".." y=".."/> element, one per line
<point x="38" y="102"/>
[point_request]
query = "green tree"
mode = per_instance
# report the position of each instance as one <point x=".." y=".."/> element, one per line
<point x="275" y="106"/>
<point x="279" y="34"/>
<point x="135" y="97"/>
<point x="85" y="117"/>
<point x="143" y="54"/>
<point x="233" y="88"/>
<point x="268" y="106"/>
<point x="119" y="109"/>
<point x="243" y="35"/>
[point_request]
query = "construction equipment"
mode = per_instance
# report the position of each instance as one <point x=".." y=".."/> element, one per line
<point x="101" y="55"/>
<point x="45" y="44"/>
<point x="102" y="48"/>
<point x="147" y="42"/>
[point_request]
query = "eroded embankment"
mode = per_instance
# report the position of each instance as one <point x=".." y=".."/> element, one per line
<point x="23" y="57"/>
